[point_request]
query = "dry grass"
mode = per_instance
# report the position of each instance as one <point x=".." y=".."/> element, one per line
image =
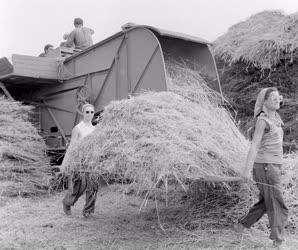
<point x="23" y="162"/>
<point x="262" y="40"/>
<point x="290" y="181"/>
<point x="211" y="207"/>
<point x="165" y="136"/>
<point x="169" y="140"/>
<point x="116" y="224"/>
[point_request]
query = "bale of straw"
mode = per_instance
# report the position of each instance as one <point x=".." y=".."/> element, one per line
<point x="262" y="40"/>
<point x="165" y="139"/>
<point x="210" y="206"/>
<point x="181" y="135"/>
<point x="23" y="160"/>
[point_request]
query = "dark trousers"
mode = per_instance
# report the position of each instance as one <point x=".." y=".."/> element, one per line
<point x="268" y="179"/>
<point x="78" y="184"/>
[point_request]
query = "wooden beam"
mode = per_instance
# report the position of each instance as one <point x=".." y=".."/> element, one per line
<point x="6" y="92"/>
<point x="40" y="67"/>
<point x="5" y="66"/>
<point x="109" y="73"/>
<point x="145" y="69"/>
<point x="46" y="96"/>
<point x="104" y="84"/>
<point x="40" y="104"/>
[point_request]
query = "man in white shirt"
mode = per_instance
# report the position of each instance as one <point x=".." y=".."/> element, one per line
<point x="80" y="37"/>
<point x="81" y="183"/>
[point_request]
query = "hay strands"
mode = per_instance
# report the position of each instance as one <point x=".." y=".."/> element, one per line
<point x="211" y="178"/>
<point x="17" y="156"/>
<point x="232" y="179"/>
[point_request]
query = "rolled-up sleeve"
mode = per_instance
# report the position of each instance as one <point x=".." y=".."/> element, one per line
<point x="70" y="40"/>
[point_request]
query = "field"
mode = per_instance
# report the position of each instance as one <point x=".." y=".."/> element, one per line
<point x="173" y="147"/>
<point x="39" y="223"/>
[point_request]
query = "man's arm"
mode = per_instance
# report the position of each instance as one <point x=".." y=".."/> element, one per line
<point x="254" y="146"/>
<point x="91" y="31"/>
<point x="75" y="134"/>
<point x="70" y="39"/>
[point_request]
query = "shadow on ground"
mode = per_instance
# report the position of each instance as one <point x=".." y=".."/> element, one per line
<point x="116" y="224"/>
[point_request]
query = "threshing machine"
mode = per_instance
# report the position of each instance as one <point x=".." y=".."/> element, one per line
<point x="130" y="61"/>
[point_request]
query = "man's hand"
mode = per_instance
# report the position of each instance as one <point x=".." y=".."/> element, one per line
<point x="246" y="172"/>
<point x="246" y="175"/>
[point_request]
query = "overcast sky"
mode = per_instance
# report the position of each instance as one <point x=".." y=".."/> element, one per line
<point x="27" y="25"/>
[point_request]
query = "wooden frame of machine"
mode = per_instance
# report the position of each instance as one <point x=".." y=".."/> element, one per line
<point x="127" y="63"/>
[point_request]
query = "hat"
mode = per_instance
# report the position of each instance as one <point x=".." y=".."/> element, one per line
<point x="86" y="105"/>
<point x="46" y="47"/>
<point x="260" y="102"/>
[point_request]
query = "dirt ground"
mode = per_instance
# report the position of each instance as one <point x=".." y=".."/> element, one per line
<point x="117" y="224"/>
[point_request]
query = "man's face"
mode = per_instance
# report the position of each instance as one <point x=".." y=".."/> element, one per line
<point x="49" y="48"/>
<point x="273" y="101"/>
<point x="88" y="113"/>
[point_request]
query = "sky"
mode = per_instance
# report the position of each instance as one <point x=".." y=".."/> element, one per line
<point x="27" y="25"/>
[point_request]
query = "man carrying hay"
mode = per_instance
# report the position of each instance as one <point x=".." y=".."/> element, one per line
<point x="266" y="156"/>
<point x="80" y="183"/>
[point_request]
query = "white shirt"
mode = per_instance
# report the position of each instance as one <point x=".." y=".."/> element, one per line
<point x="82" y="130"/>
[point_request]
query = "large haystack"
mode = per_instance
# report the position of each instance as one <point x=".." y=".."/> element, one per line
<point x="167" y="136"/>
<point x="257" y="53"/>
<point x="23" y="163"/>
<point x="262" y="40"/>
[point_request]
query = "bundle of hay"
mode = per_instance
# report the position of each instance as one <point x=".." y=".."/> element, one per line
<point x="256" y="53"/>
<point x="23" y="163"/>
<point x="181" y="137"/>
<point x="164" y="136"/>
<point x="217" y="207"/>
<point x="262" y="40"/>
